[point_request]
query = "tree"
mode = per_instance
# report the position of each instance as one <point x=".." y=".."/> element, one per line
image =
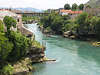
<point x="1" y="26"/>
<point x="97" y="27"/>
<point x="81" y="6"/>
<point x="67" y="7"/>
<point x="57" y="24"/>
<point x="74" y="6"/>
<point x="88" y="6"/>
<point x="9" y="22"/>
<point x="83" y="22"/>
<point x="5" y="47"/>
<point x="21" y="45"/>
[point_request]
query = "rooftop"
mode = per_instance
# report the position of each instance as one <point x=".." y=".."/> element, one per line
<point x="70" y="11"/>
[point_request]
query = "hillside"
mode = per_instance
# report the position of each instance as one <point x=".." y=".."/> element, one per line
<point x="94" y="3"/>
<point x="29" y="9"/>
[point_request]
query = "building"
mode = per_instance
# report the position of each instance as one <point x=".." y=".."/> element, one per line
<point x="64" y="12"/>
<point x="18" y="18"/>
<point x="71" y="13"/>
<point x="92" y="11"/>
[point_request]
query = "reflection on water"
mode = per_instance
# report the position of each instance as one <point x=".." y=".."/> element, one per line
<point x="73" y="57"/>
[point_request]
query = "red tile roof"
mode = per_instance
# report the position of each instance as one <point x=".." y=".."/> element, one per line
<point x="70" y="11"/>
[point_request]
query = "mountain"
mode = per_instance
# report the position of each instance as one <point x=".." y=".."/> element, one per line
<point x="94" y="3"/>
<point x="25" y="9"/>
<point x="29" y="9"/>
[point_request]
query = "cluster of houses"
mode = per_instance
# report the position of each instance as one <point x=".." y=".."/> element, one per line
<point x="63" y="12"/>
<point x="18" y="18"/>
<point x="71" y="13"/>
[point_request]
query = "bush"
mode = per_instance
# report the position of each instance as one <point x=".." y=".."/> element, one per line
<point x="5" y="47"/>
<point x="9" y="21"/>
<point x="7" y="70"/>
<point x="97" y="27"/>
<point x="21" y="45"/>
<point x="1" y="26"/>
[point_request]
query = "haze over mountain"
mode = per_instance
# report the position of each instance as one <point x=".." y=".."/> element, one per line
<point x="27" y="9"/>
<point x="94" y="3"/>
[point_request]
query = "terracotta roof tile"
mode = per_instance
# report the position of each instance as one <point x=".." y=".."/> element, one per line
<point x="71" y="12"/>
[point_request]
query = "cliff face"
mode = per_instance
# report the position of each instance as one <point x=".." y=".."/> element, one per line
<point x="94" y="3"/>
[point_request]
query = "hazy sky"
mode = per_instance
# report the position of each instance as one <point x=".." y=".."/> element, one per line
<point x="40" y="4"/>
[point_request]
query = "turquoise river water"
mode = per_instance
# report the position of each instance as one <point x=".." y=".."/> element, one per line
<point x="72" y="57"/>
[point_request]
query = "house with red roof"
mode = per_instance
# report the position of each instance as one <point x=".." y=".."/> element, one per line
<point x="71" y="13"/>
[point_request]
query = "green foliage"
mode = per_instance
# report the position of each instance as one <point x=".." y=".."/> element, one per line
<point x="67" y="6"/>
<point x="1" y="26"/>
<point x="74" y="6"/>
<point x="69" y="26"/>
<point x="54" y="21"/>
<point x="81" y="6"/>
<point x="7" y="70"/>
<point x="9" y="22"/>
<point x="83" y="22"/>
<point x="5" y="47"/>
<point x="88" y="6"/>
<point x="26" y="18"/>
<point x="21" y="45"/>
<point x="97" y="27"/>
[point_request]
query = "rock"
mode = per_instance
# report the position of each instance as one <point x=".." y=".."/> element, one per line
<point x="72" y="37"/>
<point x="66" y="36"/>
<point x="22" y="66"/>
<point x="67" y="33"/>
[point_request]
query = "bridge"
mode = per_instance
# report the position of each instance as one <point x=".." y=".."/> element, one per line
<point x="33" y="13"/>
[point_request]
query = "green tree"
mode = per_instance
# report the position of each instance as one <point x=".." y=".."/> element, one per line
<point x="88" y="6"/>
<point x="67" y="7"/>
<point x="83" y="22"/>
<point x="9" y="22"/>
<point x="5" y="47"/>
<point x="97" y="27"/>
<point x="74" y="6"/>
<point x="1" y="26"/>
<point x="57" y="24"/>
<point x="7" y="70"/>
<point x="21" y="45"/>
<point x="81" y="6"/>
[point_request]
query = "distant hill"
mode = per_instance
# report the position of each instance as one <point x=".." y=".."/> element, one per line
<point x="29" y="9"/>
<point x="26" y="9"/>
<point x="94" y="3"/>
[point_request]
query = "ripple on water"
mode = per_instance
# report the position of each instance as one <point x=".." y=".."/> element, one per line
<point x="73" y="57"/>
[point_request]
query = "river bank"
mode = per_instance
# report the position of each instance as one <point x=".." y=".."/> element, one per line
<point x="36" y="54"/>
<point x="69" y="54"/>
<point x="74" y="36"/>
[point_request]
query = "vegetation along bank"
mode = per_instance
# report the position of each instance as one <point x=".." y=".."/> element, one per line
<point x="17" y="51"/>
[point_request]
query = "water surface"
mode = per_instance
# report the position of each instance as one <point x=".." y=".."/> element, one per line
<point x="73" y="57"/>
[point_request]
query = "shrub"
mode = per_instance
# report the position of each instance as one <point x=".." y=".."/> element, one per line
<point x="21" y="45"/>
<point x="1" y="26"/>
<point x="5" y="47"/>
<point x="9" y="21"/>
<point x="7" y="70"/>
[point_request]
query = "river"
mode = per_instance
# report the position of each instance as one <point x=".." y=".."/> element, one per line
<point x="72" y="57"/>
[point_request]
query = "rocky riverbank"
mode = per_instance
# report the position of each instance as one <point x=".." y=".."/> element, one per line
<point x="23" y="67"/>
<point x="69" y="34"/>
<point x="36" y="54"/>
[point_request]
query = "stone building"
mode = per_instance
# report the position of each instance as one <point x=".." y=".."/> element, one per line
<point x="92" y="11"/>
<point x="18" y="18"/>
